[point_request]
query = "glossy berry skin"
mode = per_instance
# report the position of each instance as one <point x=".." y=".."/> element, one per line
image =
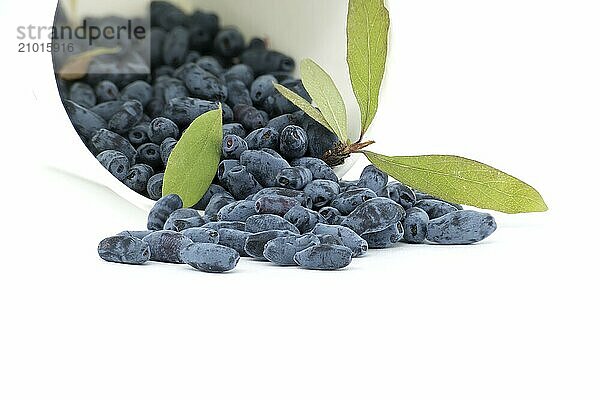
<point x="269" y="222"/>
<point x="138" y="177"/>
<point x="139" y="90"/>
<point x="166" y="148"/>
<point x="374" y="215"/>
<point x="281" y="251"/>
<point x="229" y="43"/>
<point x="294" y="142"/>
<point x="250" y="118"/>
<point x="263" y="138"/>
<point x="166" y="246"/>
<point x="241" y="183"/>
<point x="162" y="210"/>
<point x="373" y="178"/>
<point x="400" y="193"/>
<point x="332" y="216"/>
<point x="262" y="88"/>
<point x="106" y="91"/>
<point x="263" y="166"/>
<point x="83" y="94"/>
<point x="303" y="218"/>
<point x="294" y="178"/>
<point x="386" y="238"/>
<point x="161" y="129"/>
<point x="204" y="85"/>
<point x="435" y="208"/>
<point x="304" y="200"/>
<point x="275" y="204"/>
<point x="322" y="192"/>
<point x="234" y="146"/>
<point x="256" y="242"/>
<point x="324" y="257"/>
<point x="127" y="117"/>
<point x="234" y="239"/>
<point x="348" y="201"/>
<point x="238" y="211"/>
<point x="415" y="226"/>
<point x="86" y="122"/>
<point x="461" y="227"/>
<point x="349" y="238"/>
<point x="149" y="154"/>
<point x="180" y="214"/>
<point x="240" y="72"/>
<point x="234" y="129"/>
<point x="319" y="168"/>
<point x="155" y="185"/>
<point x="115" y="162"/>
<point x="124" y="250"/>
<point x="237" y="93"/>
<point x="138" y="135"/>
<point x="107" y="140"/>
<point x="176" y="46"/>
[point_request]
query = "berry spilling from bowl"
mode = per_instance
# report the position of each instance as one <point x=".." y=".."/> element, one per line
<point x="132" y="122"/>
<point x="273" y="197"/>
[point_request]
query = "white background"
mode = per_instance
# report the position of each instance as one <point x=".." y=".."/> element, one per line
<point x="515" y="84"/>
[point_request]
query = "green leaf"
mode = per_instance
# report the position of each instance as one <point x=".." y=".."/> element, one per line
<point x="194" y="161"/>
<point x="304" y="105"/>
<point x="367" y="30"/>
<point x="462" y="181"/>
<point x="326" y="96"/>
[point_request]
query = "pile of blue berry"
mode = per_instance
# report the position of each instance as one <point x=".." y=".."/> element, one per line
<point x="131" y="122"/>
<point x="273" y="197"/>
<point x="292" y="212"/>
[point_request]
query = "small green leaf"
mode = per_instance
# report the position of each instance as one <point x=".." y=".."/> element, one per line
<point x="462" y="181"/>
<point x="367" y="30"/>
<point x="194" y="161"/>
<point x="326" y="96"/>
<point x="77" y="66"/>
<point x="304" y="105"/>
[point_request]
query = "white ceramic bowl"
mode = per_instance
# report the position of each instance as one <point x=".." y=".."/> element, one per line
<point x="300" y="28"/>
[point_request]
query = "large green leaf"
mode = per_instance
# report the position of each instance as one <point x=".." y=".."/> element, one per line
<point x="326" y="96"/>
<point x="462" y="181"/>
<point x="193" y="163"/>
<point x="304" y="105"/>
<point x="367" y="30"/>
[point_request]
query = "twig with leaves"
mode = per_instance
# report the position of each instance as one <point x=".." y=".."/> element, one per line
<point x="453" y="178"/>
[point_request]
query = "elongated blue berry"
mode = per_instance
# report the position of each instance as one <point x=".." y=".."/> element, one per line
<point x="124" y="250"/>
<point x="324" y="257"/>
<point x="209" y="257"/>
